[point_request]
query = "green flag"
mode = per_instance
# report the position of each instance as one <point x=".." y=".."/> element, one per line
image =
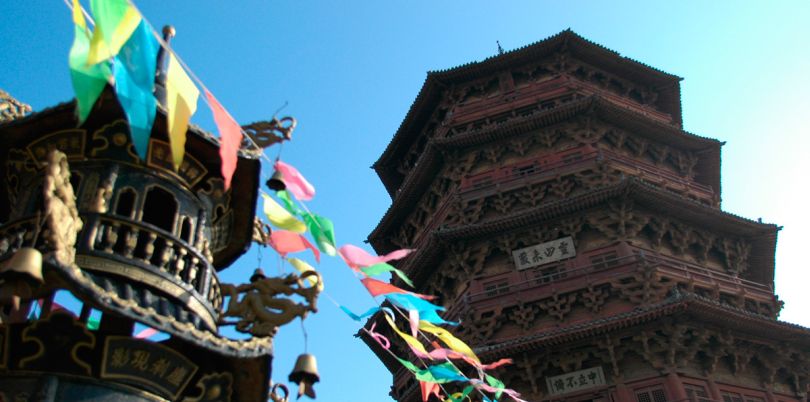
<point x="382" y="267"/>
<point x="88" y="80"/>
<point x="323" y="231"/>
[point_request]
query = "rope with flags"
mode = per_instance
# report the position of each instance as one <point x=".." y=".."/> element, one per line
<point x="121" y="50"/>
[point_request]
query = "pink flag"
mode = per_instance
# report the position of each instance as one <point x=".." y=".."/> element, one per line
<point x="230" y="136"/>
<point x="146" y="333"/>
<point x="284" y="242"/>
<point x="296" y="183"/>
<point x="357" y="257"/>
<point x="380" y="288"/>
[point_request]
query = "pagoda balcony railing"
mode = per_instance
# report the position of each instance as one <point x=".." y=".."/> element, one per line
<point x="527" y="172"/>
<point x="527" y="285"/>
<point x="542" y="96"/>
<point x="151" y="249"/>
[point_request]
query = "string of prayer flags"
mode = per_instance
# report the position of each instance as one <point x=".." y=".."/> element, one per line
<point x="427" y="311"/>
<point x="302" y="267"/>
<point x="230" y="138"/>
<point x="438" y="373"/>
<point x="383" y="267"/>
<point x="449" y="339"/>
<point x="115" y="22"/>
<point x="285" y="242"/>
<point x="380" y="288"/>
<point x="323" y="231"/>
<point x="280" y="217"/>
<point x="181" y="103"/>
<point x="288" y="203"/>
<point x="380" y="338"/>
<point x="358" y="317"/>
<point x="460" y="396"/>
<point x="88" y="80"/>
<point x="295" y="181"/>
<point x="356" y="257"/>
<point x="416" y="347"/>
<point x="134" y="70"/>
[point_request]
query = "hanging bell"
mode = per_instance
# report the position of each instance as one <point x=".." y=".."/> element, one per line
<point x="275" y="183"/>
<point x="305" y="373"/>
<point x="258" y="275"/>
<point x="20" y="275"/>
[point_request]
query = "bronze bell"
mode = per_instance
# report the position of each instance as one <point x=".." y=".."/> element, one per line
<point x="275" y="183"/>
<point x="20" y="275"/>
<point x="258" y="275"/>
<point x="305" y="373"/>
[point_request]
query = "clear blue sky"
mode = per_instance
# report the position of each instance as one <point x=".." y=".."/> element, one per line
<point x="350" y="70"/>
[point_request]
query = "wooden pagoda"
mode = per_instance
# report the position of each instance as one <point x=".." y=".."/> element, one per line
<point x="569" y="222"/>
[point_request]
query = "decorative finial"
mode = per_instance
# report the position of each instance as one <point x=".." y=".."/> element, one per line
<point x="500" y="49"/>
<point x="168" y="32"/>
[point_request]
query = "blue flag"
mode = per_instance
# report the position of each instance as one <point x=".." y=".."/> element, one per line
<point x="134" y="70"/>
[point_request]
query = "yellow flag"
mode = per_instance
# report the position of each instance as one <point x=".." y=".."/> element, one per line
<point x="449" y="339"/>
<point x="303" y="267"/>
<point x="181" y="103"/>
<point x="413" y="342"/>
<point x="280" y="217"/>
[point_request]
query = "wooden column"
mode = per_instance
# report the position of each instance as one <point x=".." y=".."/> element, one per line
<point x="675" y="387"/>
<point x="623" y="393"/>
<point x="714" y="392"/>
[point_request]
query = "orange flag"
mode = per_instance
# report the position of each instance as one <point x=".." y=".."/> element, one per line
<point x="230" y="138"/>
<point x="380" y="288"/>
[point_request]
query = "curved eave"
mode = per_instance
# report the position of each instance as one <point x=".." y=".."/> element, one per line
<point x="581" y="48"/>
<point x="701" y="308"/>
<point x="416" y="182"/>
<point x="128" y="306"/>
<point x="763" y="236"/>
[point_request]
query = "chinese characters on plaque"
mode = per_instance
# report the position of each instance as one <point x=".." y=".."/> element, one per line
<point x="544" y="253"/>
<point x="575" y="381"/>
<point x="146" y="364"/>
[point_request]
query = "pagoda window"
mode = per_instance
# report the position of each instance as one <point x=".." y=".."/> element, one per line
<point x="481" y="181"/>
<point x="125" y="205"/>
<point x="525" y="170"/>
<point x="497" y="287"/>
<point x="160" y="209"/>
<point x="696" y="393"/>
<point x="651" y="395"/>
<point x="549" y="274"/>
<point x="604" y="260"/>
<point x="185" y="229"/>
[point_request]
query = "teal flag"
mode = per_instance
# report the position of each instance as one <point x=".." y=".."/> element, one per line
<point x="439" y="373"/>
<point x="134" y="70"/>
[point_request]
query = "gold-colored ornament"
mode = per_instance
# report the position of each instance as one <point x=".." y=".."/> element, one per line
<point x="20" y="276"/>
<point x="274" y="393"/>
<point x="263" y="134"/>
<point x="305" y="374"/>
<point x="62" y="222"/>
<point x="261" y="309"/>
